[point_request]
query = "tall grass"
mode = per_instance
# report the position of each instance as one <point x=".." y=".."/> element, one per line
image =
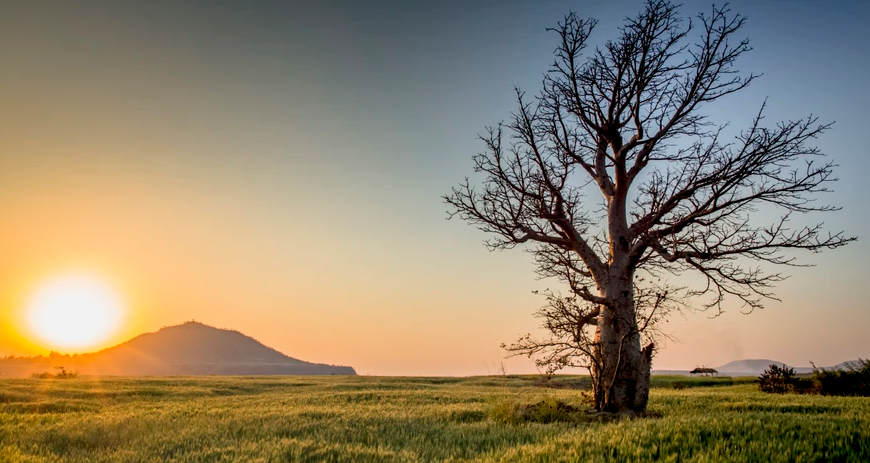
<point x="409" y="419"/>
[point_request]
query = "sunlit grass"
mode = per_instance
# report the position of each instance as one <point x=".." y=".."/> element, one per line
<point x="409" y="419"/>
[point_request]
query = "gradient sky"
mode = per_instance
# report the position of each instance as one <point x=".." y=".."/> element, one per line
<point x="277" y="168"/>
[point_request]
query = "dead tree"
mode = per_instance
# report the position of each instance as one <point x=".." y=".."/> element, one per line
<point x="625" y="121"/>
<point x="570" y="341"/>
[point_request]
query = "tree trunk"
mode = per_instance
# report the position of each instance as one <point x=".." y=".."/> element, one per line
<point x="624" y="368"/>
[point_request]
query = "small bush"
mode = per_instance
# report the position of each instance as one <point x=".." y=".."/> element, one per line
<point x="505" y="411"/>
<point x="63" y="374"/>
<point x="777" y="379"/>
<point x="805" y="385"/>
<point x="548" y="410"/>
<point x="679" y="385"/>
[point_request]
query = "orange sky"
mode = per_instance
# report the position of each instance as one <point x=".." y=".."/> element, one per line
<point x="252" y="170"/>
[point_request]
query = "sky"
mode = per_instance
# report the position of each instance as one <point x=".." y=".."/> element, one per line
<point x="277" y="168"/>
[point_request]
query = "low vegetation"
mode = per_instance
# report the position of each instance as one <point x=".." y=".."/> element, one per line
<point x="61" y="374"/>
<point x="345" y="419"/>
<point x="777" y="379"/>
<point x="547" y="410"/>
<point x="852" y="380"/>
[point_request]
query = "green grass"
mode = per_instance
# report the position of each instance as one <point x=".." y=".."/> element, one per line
<point x="411" y="419"/>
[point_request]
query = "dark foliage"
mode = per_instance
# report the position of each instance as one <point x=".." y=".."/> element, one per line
<point x="62" y="374"/>
<point x="777" y="379"/>
<point x="549" y="410"/>
<point x="854" y="380"/>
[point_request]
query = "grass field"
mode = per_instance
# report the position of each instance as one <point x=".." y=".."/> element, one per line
<point x="410" y="419"/>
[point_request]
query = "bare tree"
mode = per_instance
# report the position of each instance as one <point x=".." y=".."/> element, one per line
<point x="624" y="121"/>
<point x="569" y="342"/>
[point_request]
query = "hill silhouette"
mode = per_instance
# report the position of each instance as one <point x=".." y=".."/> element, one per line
<point x="188" y="349"/>
<point x="755" y="367"/>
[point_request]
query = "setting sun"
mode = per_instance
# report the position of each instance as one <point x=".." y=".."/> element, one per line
<point x="74" y="311"/>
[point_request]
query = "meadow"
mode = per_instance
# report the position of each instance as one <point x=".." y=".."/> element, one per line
<point x="340" y="418"/>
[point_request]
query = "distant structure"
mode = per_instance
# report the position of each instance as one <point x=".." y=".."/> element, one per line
<point x="703" y="371"/>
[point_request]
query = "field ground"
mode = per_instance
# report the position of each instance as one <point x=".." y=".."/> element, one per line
<point x="410" y="419"/>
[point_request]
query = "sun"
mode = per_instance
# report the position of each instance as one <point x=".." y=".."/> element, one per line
<point x="74" y="311"/>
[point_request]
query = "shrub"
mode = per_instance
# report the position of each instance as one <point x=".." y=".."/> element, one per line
<point x="777" y="379"/>
<point x="549" y="410"/>
<point x="62" y="374"/>
<point x="505" y="411"/>
<point x="853" y="381"/>
<point x="805" y="385"/>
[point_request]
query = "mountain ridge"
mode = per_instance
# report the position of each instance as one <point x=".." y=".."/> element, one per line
<point x="190" y="348"/>
<point x="756" y="366"/>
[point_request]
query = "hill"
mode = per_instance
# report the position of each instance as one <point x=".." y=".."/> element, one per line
<point x="188" y="349"/>
<point x="754" y="367"/>
<point x="849" y="364"/>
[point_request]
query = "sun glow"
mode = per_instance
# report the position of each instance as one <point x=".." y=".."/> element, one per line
<point x="74" y="311"/>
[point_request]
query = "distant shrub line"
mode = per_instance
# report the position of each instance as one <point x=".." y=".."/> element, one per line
<point x="62" y="374"/>
<point x="854" y="380"/>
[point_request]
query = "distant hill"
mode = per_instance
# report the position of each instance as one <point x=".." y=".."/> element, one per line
<point x="846" y="365"/>
<point x="188" y="349"/>
<point x="754" y="367"/>
<point x="757" y="366"/>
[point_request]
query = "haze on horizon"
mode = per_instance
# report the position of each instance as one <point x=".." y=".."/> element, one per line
<point x="277" y="168"/>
